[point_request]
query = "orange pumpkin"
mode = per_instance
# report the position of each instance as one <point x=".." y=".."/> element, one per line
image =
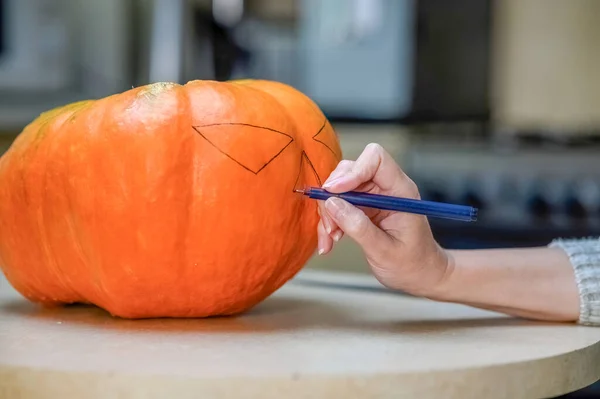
<point x="165" y="200"/>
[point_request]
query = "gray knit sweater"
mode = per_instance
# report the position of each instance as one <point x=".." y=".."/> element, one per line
<point x="585" y="259"/>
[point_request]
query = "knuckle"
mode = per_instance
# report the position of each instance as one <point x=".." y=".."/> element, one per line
<point x="412" y="189"/>
<point x="375" y="147"/>
<point x="344" y="163"/>
<point x="378" y="151"/>
<point x="342" y="167"/>
<point x="406" y="187"/>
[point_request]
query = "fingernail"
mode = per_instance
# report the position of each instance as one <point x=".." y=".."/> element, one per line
<point x="333" y="182"/>
<point x="321" y="242"/>
<point x="334" y="205"/>
<point x="337" y="236"/>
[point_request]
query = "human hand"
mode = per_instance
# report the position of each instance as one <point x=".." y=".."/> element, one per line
<point x="399" y="247"/>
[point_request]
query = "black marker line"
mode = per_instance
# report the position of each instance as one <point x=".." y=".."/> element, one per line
<point x="319" y="141"/>
<point x="302" y="157"/>
<point x="197" y="129"/>
<point x="276" y="155"/>
<point x="245" y="124"/>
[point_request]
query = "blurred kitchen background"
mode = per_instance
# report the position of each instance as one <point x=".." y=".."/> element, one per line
<point x="489" y="103"/>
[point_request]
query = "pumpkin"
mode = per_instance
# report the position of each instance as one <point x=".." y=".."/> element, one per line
<point x="166" y="200"/>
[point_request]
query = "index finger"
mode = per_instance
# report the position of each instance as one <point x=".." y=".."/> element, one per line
<point x="375" y="165"/>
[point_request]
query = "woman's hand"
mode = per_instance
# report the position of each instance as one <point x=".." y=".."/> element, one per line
<point x="535" y="283"/>
<point x="399" y="247"/>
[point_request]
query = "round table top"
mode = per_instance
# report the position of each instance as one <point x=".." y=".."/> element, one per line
<point x="332" y="335"/>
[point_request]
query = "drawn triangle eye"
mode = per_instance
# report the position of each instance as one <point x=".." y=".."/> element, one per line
<point x="328" y="140"/>
<point x="307" y="176"/>
<point x="252" y="147"/>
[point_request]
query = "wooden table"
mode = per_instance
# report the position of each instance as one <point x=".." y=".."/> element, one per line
<point x="310" y="339"/>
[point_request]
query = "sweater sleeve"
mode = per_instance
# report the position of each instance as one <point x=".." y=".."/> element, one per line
<point x="584" y="255"/>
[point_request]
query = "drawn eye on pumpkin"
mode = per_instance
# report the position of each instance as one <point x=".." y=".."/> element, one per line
<point x="234" y="139"/>
<point x="225" y="137"/>
<point x="323" y="139"/>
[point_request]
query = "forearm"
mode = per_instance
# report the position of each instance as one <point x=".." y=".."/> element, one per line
<point x="536" y="283"/>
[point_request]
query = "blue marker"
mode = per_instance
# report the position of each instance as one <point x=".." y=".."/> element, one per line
<point x="428" y="208"/>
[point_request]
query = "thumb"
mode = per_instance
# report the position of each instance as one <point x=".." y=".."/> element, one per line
<point x="355" y="224"/>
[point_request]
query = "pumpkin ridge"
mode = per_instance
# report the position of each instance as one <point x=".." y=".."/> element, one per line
<point x="29" y="155"/>
<point x="74" y="228"/>
<point x="93" y="264"/>
<point x="57" y="270"/>
<point x="73" y="232"/>
<point x="96" y="266"/>
<point x="184" y="227"/>
<point x="255" y="84"/>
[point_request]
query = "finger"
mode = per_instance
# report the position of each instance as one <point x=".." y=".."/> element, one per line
<point x="324" y="240"/>
<point x="332" y="229"/>
<point x="328" y="224"/>
<point x="355" y="224"/>
<point x="375" y="165"/>
<point x="341" y="169"/>
<point x="337" y="235"/>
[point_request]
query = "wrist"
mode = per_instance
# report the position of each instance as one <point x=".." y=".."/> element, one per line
<point x="442" y="287"/>
<point x="433" y="278"/>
